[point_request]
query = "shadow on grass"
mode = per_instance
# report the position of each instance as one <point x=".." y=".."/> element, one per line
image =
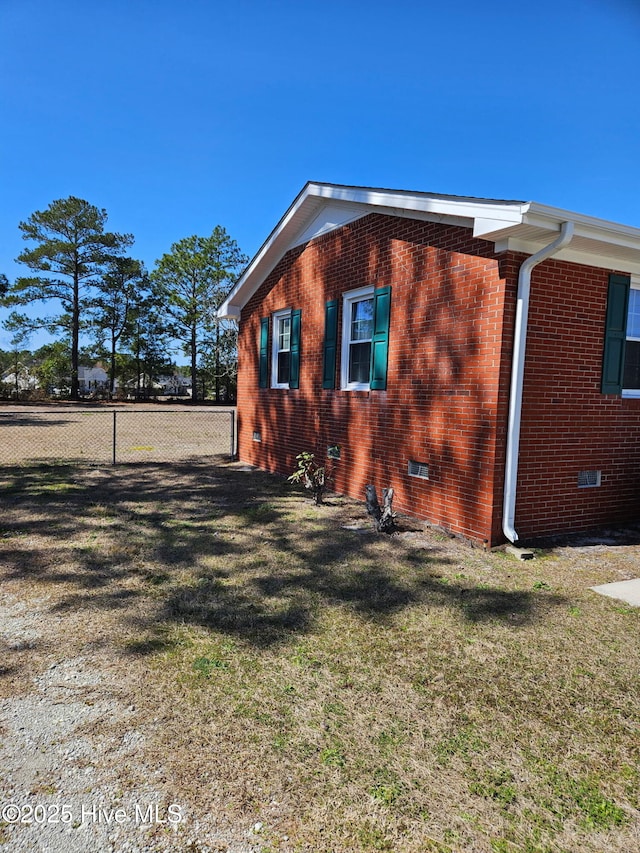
<point x="620" y="536"/>
<point x="231" y="550"/>
<point x="32" y="420"/>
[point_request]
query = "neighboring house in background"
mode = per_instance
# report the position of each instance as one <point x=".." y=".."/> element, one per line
<point x="93" y="380"/>
<point x="388" y="328"/>
<point x="175" y="386"/>
<point x="26" y="380"/>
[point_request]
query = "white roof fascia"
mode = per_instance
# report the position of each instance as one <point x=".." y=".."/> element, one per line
<point x="394" y="203"/>
<point x="506" y="220"/>
<point x="560" y="215"/>
<point x="600" y="230"/>
<point x="455" y="210"/>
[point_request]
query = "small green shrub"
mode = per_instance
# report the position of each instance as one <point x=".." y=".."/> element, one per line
<point x="312" y="476"/>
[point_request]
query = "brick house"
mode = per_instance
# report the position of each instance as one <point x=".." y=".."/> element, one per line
<point x="480" y="356"/>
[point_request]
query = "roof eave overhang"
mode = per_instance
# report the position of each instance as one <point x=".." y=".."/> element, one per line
<point x="510" y="225"/>
<point x="596" y="242"/>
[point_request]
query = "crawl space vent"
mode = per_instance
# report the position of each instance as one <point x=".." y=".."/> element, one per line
<point x="257" y="436"/>
<point x="418" y="469"/>
<point x="588" y="478"/>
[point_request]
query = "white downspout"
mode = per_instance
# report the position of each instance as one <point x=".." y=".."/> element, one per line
<point x="517" y="375"/>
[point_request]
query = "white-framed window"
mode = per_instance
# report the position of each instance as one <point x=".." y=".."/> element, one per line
<point x="357" y="334"/>
<point x="631" y="375"/>
<point x="281" y="349"/>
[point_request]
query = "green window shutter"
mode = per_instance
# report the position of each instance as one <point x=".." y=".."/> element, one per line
<point x="264" y="352"/>
<point x="380" y="340"/>
<point x="615" y="334"/>
<point x="330" y="344"/>
<point x="294" y="355"/>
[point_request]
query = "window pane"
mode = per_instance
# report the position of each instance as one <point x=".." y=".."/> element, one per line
<point x="362" y="320"/>
<point x="359" y="362"/>
<point x="631" y="378"/>
<point x="633" y="318"/>
<point x="284" y="333"/>
<point x="283" y="368"/>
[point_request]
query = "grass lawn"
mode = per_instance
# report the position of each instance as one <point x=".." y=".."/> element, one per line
<point x="345" y="690"/>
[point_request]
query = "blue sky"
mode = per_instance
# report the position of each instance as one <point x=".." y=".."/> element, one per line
<point x="178" y="115"/>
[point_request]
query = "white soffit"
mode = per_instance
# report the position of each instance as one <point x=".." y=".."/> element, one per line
<point x="581" y="250"/>
<point x="331" y="216"/>
<point x="596" y="242"/>
<point x="511" y="225"/>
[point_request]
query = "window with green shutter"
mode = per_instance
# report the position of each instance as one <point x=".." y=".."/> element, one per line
<point x="365" y="339"/>
<point x="285" y="349"/>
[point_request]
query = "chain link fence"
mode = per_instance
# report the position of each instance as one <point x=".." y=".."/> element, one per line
<point x="108" y="435"/>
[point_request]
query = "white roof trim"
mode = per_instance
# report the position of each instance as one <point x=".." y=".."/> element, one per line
<point x="518" y="225"/>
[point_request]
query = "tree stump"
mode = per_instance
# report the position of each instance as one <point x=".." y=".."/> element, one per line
<point x="383" y="516"/>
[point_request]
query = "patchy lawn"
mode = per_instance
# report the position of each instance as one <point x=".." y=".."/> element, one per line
<point x="335" y="689"/>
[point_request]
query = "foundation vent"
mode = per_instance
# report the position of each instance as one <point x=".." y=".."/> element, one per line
<point x="257" y="436"/>
<point x="418" y="469"/>
<point x="333" y="451"/>
<point x="587" y="479"/>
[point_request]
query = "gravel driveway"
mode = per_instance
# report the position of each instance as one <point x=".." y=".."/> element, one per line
<point x="72" y="778"/>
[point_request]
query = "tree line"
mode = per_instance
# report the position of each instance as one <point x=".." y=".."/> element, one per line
<point x="130" y="316"/>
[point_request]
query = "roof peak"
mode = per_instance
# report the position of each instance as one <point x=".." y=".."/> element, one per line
<point x="521" y="226"/>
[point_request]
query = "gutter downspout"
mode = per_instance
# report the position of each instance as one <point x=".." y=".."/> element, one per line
<point x="517" y="376"/>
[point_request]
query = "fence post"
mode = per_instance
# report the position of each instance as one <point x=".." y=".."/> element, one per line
<point x="114" y="436"/>
<point x="233" y="434"/>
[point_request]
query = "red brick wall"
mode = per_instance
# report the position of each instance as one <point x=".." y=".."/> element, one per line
<point x="448" y="360"/>
<point x="567" y="425"/>
<point x="452" y="314"/>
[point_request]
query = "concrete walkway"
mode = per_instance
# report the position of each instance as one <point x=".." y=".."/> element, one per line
<point x="628" y="591"/>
